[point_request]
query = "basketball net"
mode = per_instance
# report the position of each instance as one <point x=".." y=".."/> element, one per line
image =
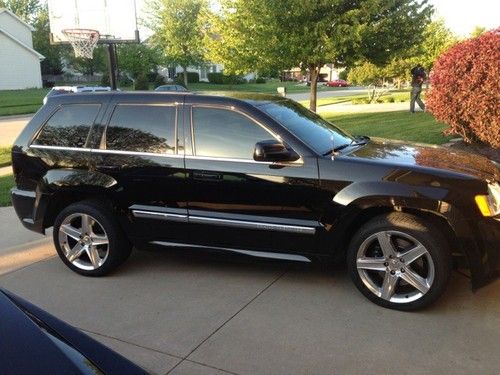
<point x="83" y="41"/>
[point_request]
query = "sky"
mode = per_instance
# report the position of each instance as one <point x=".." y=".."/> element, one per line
<point x="461" y="16"/>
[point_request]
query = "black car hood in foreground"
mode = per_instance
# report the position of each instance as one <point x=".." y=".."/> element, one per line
<point x="395" y="152"/>
<point x="35" y="342"/>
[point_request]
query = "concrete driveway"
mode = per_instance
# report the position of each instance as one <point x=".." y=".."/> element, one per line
<point x="11" y="126"/>
<point x="183" y="312"/>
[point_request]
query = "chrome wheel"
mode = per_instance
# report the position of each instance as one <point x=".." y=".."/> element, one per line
<point x="395" y="266"/>
<point x="84" y="241"/>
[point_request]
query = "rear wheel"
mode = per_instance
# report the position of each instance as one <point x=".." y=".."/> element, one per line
<point x="89" y="240"/>
<point x="399" y="261"/>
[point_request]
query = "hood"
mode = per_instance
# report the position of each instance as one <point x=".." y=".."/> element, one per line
<point x="413" y="154"/>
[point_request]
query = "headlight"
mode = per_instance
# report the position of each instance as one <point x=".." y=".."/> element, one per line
<point x="489" y="205"/>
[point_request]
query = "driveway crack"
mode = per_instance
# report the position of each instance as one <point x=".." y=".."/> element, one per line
<point x="227" y="321"/>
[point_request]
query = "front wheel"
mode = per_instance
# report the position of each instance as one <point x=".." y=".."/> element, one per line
<point x="89" y="240"/>
<point x="399" y="261"/>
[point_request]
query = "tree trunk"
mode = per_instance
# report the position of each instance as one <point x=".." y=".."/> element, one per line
<point x="313" y="74"/>
<point x="185" y="73"/>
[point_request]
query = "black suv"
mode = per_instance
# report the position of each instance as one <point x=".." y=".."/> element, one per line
<point x="258" y="175"/>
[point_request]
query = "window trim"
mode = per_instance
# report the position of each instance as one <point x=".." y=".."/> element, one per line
<point x="231" y="108"/>
<point x="102" y="143"/>
<point x="86" y="145"/>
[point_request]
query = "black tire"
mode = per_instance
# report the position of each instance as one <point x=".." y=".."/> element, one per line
<point x="395" y="224"/>
<point x="118" y="247"/>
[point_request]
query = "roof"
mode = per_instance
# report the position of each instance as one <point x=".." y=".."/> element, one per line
<point x="224" y="97"/>
<point x="5" y="10"/>
<point x="17" y="41"/>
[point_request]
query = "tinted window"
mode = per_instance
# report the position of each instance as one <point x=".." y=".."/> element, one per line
<point x="224" y="133"/>
<point x="69" y="126"/>
<point x="316" y="132"/>
<point x="142" y="129"/>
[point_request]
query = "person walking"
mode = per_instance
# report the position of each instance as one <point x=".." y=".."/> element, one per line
<point x="418" y="78"/>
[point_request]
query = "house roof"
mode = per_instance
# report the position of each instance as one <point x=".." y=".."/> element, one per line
<point x="5" y="10"/>
<point x="11" y="37"/>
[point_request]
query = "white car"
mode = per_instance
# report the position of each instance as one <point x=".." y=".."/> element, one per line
<point x="59" y="90"/>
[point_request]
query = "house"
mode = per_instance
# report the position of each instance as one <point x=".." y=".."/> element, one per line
<point x="19" y="62"/>
<point x="328" y="72"/>
<point x="171" y="73"/>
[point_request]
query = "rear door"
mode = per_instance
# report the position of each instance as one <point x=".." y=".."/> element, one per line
<point x="236" y="202"/>
<point x="140" y="149"/>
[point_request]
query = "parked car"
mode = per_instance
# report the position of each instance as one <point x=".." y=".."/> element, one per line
<point x="170" y="88"/>
<point x="35" y="342"/>
<point x="253" y="174"/>
<point x="337" y="83"/>
<point x="61" y="90"/>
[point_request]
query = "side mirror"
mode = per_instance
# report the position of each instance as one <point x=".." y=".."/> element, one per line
<point x="272" y="150"/>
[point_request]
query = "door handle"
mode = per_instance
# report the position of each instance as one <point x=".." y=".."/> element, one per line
<point x="207" y="176"/>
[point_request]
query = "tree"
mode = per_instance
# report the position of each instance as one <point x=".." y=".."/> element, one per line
<point x="436" y="39"/>
<point x="177" y="27"/>
<point x="250" y="35"/>
<point x="365" y="74"/>
<point x="27" y="10"/>
<point x="465" y="89"/>
<point x="478" y="30"/>
<point x="41" y="43"/>
<point x="97" y="64"/>
<point x="138" y="59"/>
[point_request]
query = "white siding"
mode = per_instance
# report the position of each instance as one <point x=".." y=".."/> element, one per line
<point x="20" y="69"/>
<point x="16" y="28"/>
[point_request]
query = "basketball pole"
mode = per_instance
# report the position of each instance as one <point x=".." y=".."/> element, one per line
<point x="112" y="65"/>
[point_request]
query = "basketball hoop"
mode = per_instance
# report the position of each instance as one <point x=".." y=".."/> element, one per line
<point x="83" y="41"/>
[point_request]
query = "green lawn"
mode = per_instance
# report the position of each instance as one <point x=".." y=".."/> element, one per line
<point x="6" y="183"/>
<point x="269" y="87"/>
<point x="4" y="156"/>
<point x="16" y="102"/>
<point x="419" y="127"/>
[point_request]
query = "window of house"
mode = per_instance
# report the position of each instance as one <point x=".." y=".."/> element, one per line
<point x="142" y="128"/>
<point x="226" y="134"/>
<point x="69" y="126"/>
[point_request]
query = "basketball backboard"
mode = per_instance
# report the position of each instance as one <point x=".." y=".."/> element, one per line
<point x="115" y="20"/>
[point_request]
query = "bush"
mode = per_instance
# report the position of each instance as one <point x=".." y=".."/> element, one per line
<point x="465" y="89"/>
<point x="233" y="79"/>
<point x="360" y="101"/>
<point x="124" y="81"/>
<point x="260" y="80"/>
<point x="216" y="78"/>
<point x="193" y="77"/>
<point x="141" y="82"/>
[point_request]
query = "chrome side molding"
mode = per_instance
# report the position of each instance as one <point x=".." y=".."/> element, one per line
<point x="253" y="253"/>
<point x="252" y="225"/>
<point x="160" y="215"/>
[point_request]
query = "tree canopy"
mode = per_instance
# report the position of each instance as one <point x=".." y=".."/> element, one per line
<point x="253" y="35"/>
<point x="178" y="30"/>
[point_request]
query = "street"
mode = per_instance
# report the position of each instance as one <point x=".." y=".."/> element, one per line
<point x="185" y="312"/>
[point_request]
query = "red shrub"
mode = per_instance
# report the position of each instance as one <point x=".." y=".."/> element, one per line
<point x="465" y="92"/>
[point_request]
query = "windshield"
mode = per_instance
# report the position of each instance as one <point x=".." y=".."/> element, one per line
<point x="312" y="129"/>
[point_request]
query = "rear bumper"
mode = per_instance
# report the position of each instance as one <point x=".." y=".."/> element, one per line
<point x="27" y="205"/>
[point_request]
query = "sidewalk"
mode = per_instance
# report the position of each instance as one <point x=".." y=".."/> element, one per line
<point x="365" y="108"/>
<point x="4" y="171"/>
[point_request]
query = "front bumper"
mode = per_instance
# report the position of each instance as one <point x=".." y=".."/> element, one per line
<point x="489" y="238"/>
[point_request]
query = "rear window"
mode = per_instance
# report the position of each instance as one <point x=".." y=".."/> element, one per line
<point x="142" y="128"/>
<point x="69" y="126"/>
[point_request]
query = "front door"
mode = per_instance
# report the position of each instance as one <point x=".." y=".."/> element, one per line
<point x="236" y="202"/>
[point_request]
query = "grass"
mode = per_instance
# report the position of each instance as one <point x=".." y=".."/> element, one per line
<point x="402" y="125"/>
<point x="4" y="156"/>
<point x="6" y="183"/>
<point x="269" y="87"/>
<point x="16" y="102"/>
